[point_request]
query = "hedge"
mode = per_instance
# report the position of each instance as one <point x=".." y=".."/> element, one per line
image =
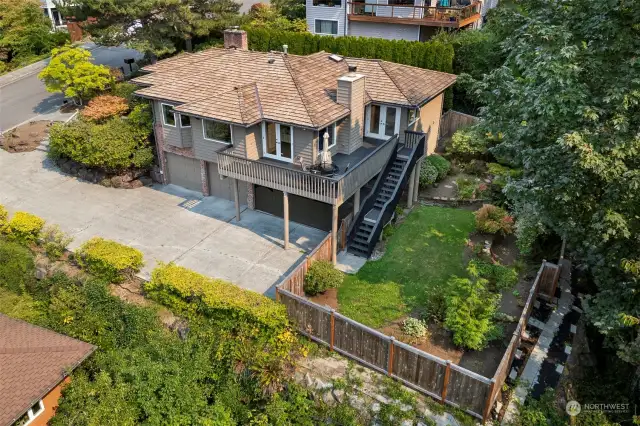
<point x="109" y="260"/>
<point x="434" y="55"/>
<point x="189" y="293"/>
<point x="441" y="164"/>
<point x="24" y="227"/>
<point x="17" y="269"/>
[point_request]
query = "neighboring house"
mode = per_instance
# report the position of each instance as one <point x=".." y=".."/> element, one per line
<point x="256" y="127"/>
<point x="34" y="366"/>
<point x="50" y="9"/>
<point x="412" y="20"/>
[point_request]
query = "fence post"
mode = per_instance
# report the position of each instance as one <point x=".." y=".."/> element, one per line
<point x="390" y="366"/>
<point x="333" y="329"/>
<point x="445" y="385"/>
<point x="277" y="294"/>
<point x="487" y="405"/>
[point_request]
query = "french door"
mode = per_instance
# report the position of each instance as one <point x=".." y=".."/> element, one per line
<point x="277" y="141"/>
<point x="382" y="121"/>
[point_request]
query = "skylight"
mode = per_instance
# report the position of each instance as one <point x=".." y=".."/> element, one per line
<point x="336" y="58"/>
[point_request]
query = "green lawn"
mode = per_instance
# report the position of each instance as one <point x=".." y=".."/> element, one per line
<point x="420" y="257"/>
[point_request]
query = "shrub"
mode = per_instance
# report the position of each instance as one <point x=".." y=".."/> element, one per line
<point x="502" y="174"/>
<point x="321" y="276"/>
<point x="492" y="219"/>
<point x="114" y="146"/>
<point x="500" y="277"/>
<point x="468" y="143"/>
<point x="414" y="327"/>
<point x="126" y="90"/>
<point x="441" y="164"/>
<point x="469" y="188"/>
<point x="105" y="106"/>
<point x="109" y="260"/>
<point x="25" y="227"/>
<point x="428" y="174"/>
<point x="141" y="117"/>
<point x="470" y="312"/>
<point x="55" y="241"/>
<point x="4" y="222"/>
<point x="188" y="293"/>
<point x="17" y="269"/>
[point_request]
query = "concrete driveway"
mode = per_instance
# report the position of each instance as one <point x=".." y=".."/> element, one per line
<point x="166" y="223"/>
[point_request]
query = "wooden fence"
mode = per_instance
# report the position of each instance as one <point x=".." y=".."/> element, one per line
<point x="502" y="372"/>
<point x="454" y="120"/>
<point x="549" y="281"/>
<point x="419" y="370"/>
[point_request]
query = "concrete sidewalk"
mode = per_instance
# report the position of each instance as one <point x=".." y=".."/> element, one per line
<point x="165" y="222"/>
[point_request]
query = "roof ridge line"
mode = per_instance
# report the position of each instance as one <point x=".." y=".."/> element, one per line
<point x="295" y="83"/>
<point x="406" y="98"/>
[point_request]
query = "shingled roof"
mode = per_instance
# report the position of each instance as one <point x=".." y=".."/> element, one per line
<point x="245" y="87"/>
<point x="33" y="360"/>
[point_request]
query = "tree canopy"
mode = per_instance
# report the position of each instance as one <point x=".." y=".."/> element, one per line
<point x="566" y="102"/>
<point x="155" y="26"/>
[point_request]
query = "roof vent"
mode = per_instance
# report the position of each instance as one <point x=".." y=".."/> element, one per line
<point x="353" y="68"/>
<point x="285" y="48"/>
<point x="336" y="58"/>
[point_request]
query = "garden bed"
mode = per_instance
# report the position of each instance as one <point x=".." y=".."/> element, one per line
<point x="26" y="137"/>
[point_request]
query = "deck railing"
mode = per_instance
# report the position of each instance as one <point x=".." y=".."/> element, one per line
<point x="332" y="190"/>
<point x="444" y="15"/>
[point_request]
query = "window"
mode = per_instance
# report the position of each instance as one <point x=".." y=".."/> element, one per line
<point x="168" y="115"/>
<point x="326" y="27"/>
<point x="216" y="131"/>
<point x="328" y="3"/>
<point x="185" y="121"/>
<point x="413" y="115"/>
<point x="332" y="137"/>
<point x="34" y="412"/>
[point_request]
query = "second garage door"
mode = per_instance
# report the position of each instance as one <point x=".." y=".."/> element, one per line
<point x="184" y="171"/>
<point x="223" y="188"/>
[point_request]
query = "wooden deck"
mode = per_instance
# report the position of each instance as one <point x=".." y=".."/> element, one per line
<point x="445" y="17"/>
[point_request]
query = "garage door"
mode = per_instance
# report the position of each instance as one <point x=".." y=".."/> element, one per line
<point x="184" y="171"/>
<point x="223" y="188"/>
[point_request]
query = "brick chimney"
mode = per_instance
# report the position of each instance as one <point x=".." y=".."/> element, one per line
<point x="235" y="38"/>
<point x="350" y="93"/>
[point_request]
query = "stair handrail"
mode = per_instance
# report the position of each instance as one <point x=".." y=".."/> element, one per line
<point x="370" y="199"/>
<point x="385" y="213"/>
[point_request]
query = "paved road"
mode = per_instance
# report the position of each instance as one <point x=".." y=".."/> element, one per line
<point x="27" y="98"/>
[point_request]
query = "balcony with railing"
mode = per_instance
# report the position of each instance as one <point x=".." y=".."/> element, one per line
<point x="350" y="172"/>
<point x="456" y="16"/>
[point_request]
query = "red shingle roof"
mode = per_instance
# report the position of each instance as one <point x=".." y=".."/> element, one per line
<point x="245" y="87"/>
<point x="33" y="360"/>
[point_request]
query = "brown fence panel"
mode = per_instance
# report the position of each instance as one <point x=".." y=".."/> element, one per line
<point x="451" y="121"/>
<point x="549" y="280"/>
<point x="418" y="369"/>
<point x="361" y="342"/>
<point x="323" y="251"/>
<point x="468" y="390"/>
<point x="311" y="319"/>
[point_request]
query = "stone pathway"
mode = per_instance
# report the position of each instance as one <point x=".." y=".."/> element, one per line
<point x="530" y="377"/>
<point x="349" y="263"/>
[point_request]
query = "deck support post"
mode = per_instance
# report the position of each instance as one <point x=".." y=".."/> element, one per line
<point x="412" y="182"/>
<point x="356" y="203"/>
<point x="416" y="185"/>
<point x="285" y="199"/>
<point x="236" y="196"/>
<point x="334" y="235"/>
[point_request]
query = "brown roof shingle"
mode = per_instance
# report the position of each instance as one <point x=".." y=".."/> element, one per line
<point x="244" y="87"/>
<point x="33" y="360"/>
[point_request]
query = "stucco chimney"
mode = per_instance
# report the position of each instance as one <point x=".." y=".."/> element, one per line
<point x="350" y="93"/>
<point x="235" y="38"/>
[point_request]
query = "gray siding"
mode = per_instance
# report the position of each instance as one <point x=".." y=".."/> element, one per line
<point x="172" y="135"/>
<point x="326" y="13"/>
<point x="304" y="144"/>
<point x="205" y="149"/>
<point x="386" y="31"/>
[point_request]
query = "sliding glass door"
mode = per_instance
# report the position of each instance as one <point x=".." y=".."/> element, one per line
<point x="382" y="121"/>
<point x="277" y="141"/>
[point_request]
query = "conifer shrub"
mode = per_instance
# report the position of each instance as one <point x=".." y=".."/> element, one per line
<point x="109" y="260"/>
<point x="25" y="227"/>
<point x="189" y="293"/>
<point x="105" y="106"/>
<point x="321" y="276"/>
